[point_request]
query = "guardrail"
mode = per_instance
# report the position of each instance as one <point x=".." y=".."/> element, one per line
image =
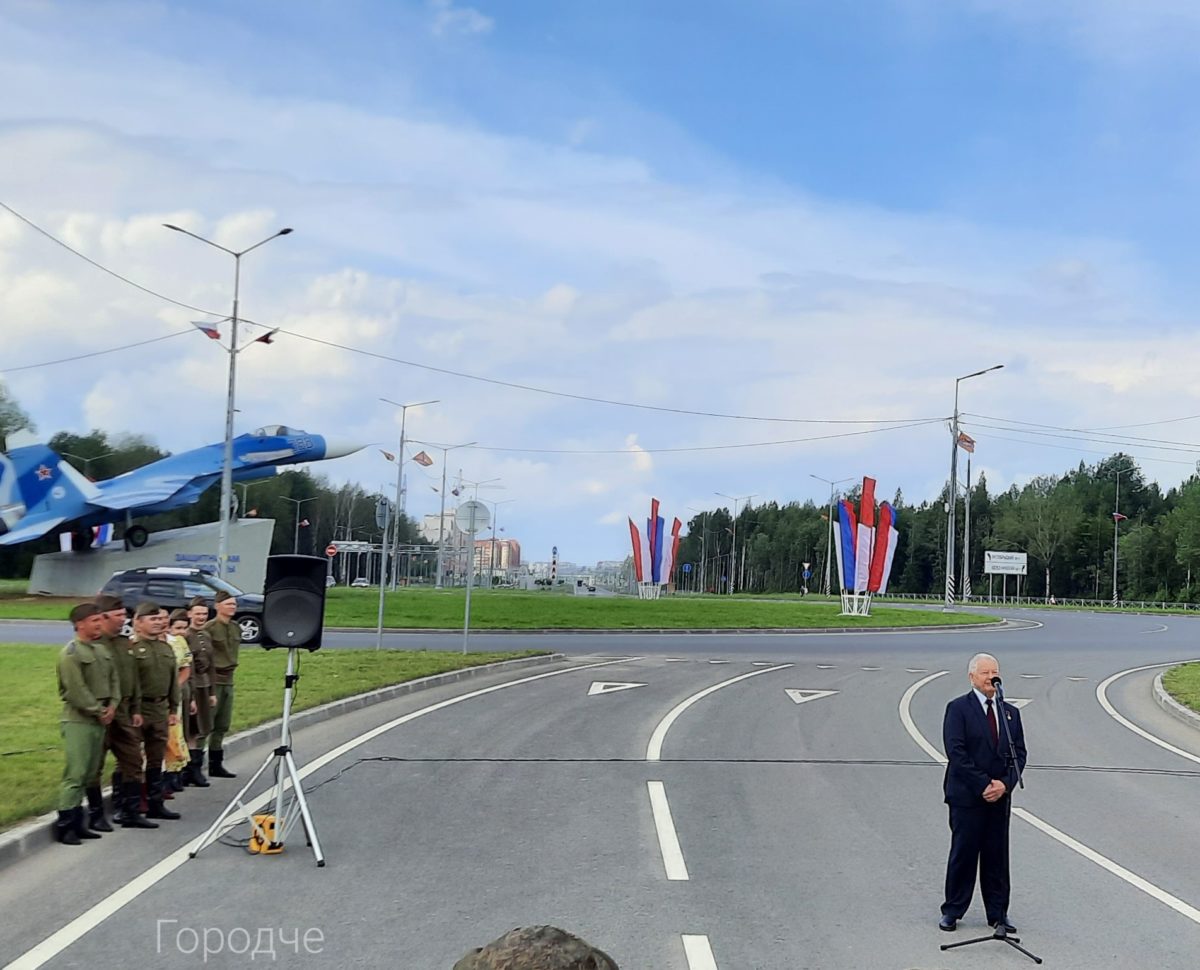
<point x="1145" y="605"/>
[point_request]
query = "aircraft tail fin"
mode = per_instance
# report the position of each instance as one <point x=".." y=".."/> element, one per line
<point x="12" y="503"/>
<point x="45" y="482"/>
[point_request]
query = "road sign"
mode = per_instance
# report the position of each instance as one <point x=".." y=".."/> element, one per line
<point x="383" y="513"/>
<point x="1005" y="563"/>
<point x="806" y="564"/>
<point x="687" y="567"/>
<point x="331" y="550"/>
<point x="472" y="517"/>
<point x="807" y="573"/>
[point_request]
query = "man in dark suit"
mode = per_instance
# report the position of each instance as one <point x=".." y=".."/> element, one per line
<point x="979" y="781"/>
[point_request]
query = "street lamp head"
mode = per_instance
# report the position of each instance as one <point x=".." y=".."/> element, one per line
<point x="176" y="228"/>
<point x="284" y="232"/>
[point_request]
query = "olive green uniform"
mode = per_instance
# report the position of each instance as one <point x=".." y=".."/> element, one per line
<point x="87" y="684"/>
<point x="226" y="641"/>
<point x="200" y="724"/>
<point x="158" y="678"/>
<point x="121" y="737"/>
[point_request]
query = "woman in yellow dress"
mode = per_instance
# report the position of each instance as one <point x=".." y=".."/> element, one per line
<point x="177" y="752"/>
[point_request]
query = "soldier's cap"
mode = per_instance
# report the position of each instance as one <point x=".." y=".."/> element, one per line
<point x="146" y="609"/>
<point x="179" y="616"/>
<point x="197" y="601"/>
<point x="83" y="611"/>
<point x="222" y="596"/>
<point x="107" y="604"/>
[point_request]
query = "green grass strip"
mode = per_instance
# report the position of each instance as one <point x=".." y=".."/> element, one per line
<point x="1183" y="683"/>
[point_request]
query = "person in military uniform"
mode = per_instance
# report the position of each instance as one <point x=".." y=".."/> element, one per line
<point x="123" y="737"/>
<point x="198" y="723"/>
<point x="159" y="680"/>
<point x="226" y="639"/>
<point x="88" y="686"/>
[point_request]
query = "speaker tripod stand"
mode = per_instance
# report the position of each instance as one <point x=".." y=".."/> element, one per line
<point x="289" y="804"/>
<point x="1000" y="934"/>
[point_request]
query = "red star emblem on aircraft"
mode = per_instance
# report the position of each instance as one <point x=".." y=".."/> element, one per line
<point x="43" y="473"/>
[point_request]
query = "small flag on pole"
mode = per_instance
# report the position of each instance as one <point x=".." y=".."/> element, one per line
<point x="422" y="459"/>
<point x="267" y="338"/>
<point x="387" y="454"/>
<point x="966" y="442"/>
<point x="1118" y="517"/>
<point x="304" y="523"/>
<point x="209" y="331"/>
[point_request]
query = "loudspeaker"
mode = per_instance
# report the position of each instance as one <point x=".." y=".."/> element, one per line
<point x="294" y="602"/>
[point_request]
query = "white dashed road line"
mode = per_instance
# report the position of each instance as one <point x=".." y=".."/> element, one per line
<point x="699" y="954"/>
<point x="668" y="840"/>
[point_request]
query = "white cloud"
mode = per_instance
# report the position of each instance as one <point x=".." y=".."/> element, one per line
<point x="449" y="19"/>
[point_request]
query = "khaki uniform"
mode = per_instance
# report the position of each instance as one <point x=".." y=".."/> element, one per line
<point x="158" y="678"/>
<point x="200" y="724"/>
<point x="226" y="642"/>
<point x="87" y="684"/>
<point x="121" y="737"/>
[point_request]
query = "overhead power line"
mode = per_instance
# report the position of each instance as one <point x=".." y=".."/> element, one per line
<point x="94" y="353"/>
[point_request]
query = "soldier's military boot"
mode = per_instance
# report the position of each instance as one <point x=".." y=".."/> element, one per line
<point x="196" y="768"/>
<point x="81" y="828"/>
<point x="64" y="828"/>
<point x="131" y="818"/>
<point x="154" y="784"/>
<point x="96" y="820"/>
<point x="118" y="797"/>
<point x="177" y="781"/>
<point x="216" y="765"/>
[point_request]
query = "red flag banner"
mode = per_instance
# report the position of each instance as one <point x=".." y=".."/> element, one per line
<point x="1118" y="517"/>
<point x="422" y="459"/>
<point x="966" y="442"/>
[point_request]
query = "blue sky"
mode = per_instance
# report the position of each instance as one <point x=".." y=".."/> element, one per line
<point x="790" y="209"/>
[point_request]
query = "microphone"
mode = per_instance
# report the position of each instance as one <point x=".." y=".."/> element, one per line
<point x="996" y="681"/>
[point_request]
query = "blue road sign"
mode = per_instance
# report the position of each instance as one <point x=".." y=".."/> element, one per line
<point x="808" y="574"/>
<point x="687" y="567"/>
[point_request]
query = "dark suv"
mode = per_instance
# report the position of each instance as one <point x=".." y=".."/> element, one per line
<point x="176" y="586"/>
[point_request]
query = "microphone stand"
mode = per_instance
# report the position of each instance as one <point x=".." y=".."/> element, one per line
<point x="1000" y="933"/>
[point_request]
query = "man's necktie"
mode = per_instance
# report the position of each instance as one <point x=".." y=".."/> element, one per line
<point x="995" y="728"/>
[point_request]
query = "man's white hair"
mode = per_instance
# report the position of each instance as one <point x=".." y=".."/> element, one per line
<point x="974" y="664"/>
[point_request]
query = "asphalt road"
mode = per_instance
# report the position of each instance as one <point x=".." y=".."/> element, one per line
<point x="703" y="819"/>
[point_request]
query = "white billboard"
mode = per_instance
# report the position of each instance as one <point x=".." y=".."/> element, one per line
<point x="1005" y="564"/>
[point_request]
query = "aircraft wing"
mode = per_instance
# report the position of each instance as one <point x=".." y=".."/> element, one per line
<point x="27" y="530"/>
<point x="134" y="493"/>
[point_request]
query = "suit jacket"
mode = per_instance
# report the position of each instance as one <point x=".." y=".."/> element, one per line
<point x="972" y="761"/>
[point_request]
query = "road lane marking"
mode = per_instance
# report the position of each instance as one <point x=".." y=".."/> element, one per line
<point x="718" y="661"/>
<point x="1161" y="629"/>
<point x="127" y="892"/>
<point x="668" y="840"/>
<point x="654" y="748"/>
<point x="870" y="668"/>
<point x="826" y="666"/>
<point x="1132" y="878"/>
<point x="1102" y="697"/>
<point x="1077" y="679"/>
<point x="801" y="696"/>
<point x="916" y="670"/>
<point x="609" y="687"/>
<point x="761" y="663"/>
<point x="1031" y="676"/>
<point x="1018" y="702"/>
<point x="698" y="952"/>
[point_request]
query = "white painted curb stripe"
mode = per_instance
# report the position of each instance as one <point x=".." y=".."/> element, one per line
<point x="699" y="954"/>
<point x="1174" y="902"/>
<point x="654" y="748"/>
<point x="129" y="891"/>
<point x="668" y="840"/>
<point x="1102" y="697"/>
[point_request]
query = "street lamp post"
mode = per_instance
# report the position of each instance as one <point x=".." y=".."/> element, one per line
<point x="400" y="480"/>
<point x="953" y="494"/>
<point x="1116" y="529"/>
<point x="733" y="550"/>
<point x="829" y="540"/>
<point x="469" y="565"/>
<point x="703" y="543"/>
<point x="227" y="465"/>
<point x="298" y="502"/>
<point x="445" y="449"/>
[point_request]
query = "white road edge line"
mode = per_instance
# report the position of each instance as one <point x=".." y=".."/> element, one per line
<point x="1102" y="697"/>
<point x="1151" y="890"/>
<point x="699" y="954"/>
<point x="1162" y="629"/>
<point x="654" y="748"/>
<point x="668" y="840"/>
<point x="88" y="920"/>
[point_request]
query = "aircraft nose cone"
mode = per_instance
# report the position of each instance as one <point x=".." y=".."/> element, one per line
<point x="340" y="447"/>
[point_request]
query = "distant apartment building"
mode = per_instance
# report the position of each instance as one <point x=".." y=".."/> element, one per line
<point x="504" y="556"/>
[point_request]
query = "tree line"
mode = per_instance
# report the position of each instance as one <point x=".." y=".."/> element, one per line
<point x="1065" y="524"/>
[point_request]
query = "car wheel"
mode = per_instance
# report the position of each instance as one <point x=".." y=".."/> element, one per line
<point x="251" y="628"/>
<point x="137" y="536"/>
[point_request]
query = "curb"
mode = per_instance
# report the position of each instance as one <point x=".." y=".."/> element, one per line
<point x="1172" y="706"/>
<point x="682" y="631"/>
<point x="30" y="837"/>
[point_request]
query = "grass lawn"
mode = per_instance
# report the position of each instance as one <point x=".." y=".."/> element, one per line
<point x="30" y="753"/>
<point x="516" y="610"/>
<point x="1183" y="683"/>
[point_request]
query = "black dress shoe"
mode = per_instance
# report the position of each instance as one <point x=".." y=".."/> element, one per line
<point x="1008" y="927"/>
<point x="948" y="923"/>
